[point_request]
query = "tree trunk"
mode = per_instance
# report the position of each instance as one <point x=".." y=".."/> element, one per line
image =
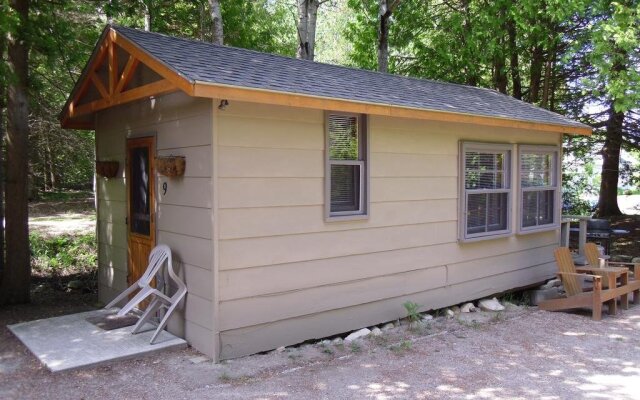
<point x="471" y="72"/>
<point x="537" y="61"/>
<point x="516" y="80"/>
<point x="311" y="30"/>
<point x="216" y="18"/>
<point x="307" y="21"/>
<point x="3" y="104"/>
<point x="14" y="287"/>
<point x="384" y="14"/>
<point x="148" y="17"/>
<point x="608" y="201"/>
<point x="546" y="87"/>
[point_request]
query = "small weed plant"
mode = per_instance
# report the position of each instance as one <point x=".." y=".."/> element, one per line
<point x="413" y="314"/>
<point x="402" y="347"/>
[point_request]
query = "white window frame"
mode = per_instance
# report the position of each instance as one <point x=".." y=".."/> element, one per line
<point x="363" y="135"/>
<point x="508" y="149"/>
<point x="555" y="178"/>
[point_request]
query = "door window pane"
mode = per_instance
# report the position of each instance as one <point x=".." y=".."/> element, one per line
<point x="140" y="217"/>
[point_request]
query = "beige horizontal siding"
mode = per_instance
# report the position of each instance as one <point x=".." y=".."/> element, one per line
<point x="113" y="256"/>
<point x="191" y="221"/>
<point x="181" y="126"/>
<point x="287" y="275"/>
<point x="276" y="134"/>
<point x="114" y="211"/>
<point x="188" y="249"/>
<point x="197" y="279"/>
<point x="413" y="188"/>
<point x="187" y="192"/>
<point x="295" y="302"/>
<point x="268" y="192"/>
<point x="256" y="338"/>
<point x="250" y="162"/>
<point x="112" y="234"/>
<point x="397" y="165"/>
<point x="312" y="246"/>
<point x="272" y="307"/>
<point x="280" y="278"/>
<point x="275" y="221"/>
<point x="112" y="189"/>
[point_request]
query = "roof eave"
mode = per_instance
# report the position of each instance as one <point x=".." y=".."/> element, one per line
<point x="265" y="96"/>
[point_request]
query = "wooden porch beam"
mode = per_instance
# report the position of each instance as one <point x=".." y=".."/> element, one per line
<point x="127" y="74"/>
<point x="113" y="64"/>
<point x="152" y="89"/>
<point x="98" y="84"/>
<point x="161" y="69"/>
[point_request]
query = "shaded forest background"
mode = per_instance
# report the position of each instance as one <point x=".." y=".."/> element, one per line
<point x="579" y="58"/>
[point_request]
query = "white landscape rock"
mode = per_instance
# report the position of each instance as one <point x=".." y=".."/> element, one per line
<point x="510" y="306"/>
<point x="388" y="326"/>
<point x="280" y="349"/>
<point x="427" y="317"/>
<point x="376" y="331"/>
<point x="449" y="313"/>
<point x="490" y="305"/>
<point x="357" y="335"/>
<point x="337" y="341"/>
<point x="467" y="308"/>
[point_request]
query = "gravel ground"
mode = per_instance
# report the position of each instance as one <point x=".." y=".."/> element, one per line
<point x="519" y="354"/>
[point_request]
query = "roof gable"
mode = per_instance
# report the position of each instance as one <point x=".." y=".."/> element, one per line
<point x="208" y="70"/>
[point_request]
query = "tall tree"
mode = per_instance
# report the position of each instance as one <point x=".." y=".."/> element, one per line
<point x="217" y="30"/>
<point x="3" y="96"/>
<point x="14" y="287"/>
<point x="307" y="20"/>
<point x="615" y="44"/>
<point x="385" y="10"/>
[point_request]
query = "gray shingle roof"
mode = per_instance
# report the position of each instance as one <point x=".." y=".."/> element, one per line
<point x="206" y="62"/>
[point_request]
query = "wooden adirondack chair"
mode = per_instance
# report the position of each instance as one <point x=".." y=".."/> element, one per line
<point x="577" y="297"/>
<point x="595" y="260"/>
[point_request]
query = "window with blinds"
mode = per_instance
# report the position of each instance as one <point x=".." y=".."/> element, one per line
<point x="346" y="165"/>
<point x="539" y="187"/>
<point x="487" y="190"/>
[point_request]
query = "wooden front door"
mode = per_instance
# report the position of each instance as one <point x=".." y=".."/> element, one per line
<point x="140" y="204"/>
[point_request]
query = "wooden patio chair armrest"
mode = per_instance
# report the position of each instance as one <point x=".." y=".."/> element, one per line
<point x="634" y="267"/>
<point x="597" y="279"/>
<point x="615" y="270"/>
<point x="581" y="275"/>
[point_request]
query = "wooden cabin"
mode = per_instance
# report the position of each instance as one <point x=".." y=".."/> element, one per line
<point x="316" y="199"/>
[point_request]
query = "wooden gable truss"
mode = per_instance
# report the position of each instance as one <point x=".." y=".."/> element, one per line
<point x="118" y="73"/>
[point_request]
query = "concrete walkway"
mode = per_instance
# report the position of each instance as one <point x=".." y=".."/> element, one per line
<point x="71" y="342"/>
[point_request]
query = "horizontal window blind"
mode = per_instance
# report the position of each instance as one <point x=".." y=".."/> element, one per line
<point x="536" y="169"/>
<point x="484" y="170"/>
<point x="343" y="138"/>
<point x="345" y="187"/>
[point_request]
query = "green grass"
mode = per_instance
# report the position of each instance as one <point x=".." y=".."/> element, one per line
<point x="66" y="195"/>
<point x="64" y="254"/>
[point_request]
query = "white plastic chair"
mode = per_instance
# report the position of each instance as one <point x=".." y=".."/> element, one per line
<point x="157" y="258"/>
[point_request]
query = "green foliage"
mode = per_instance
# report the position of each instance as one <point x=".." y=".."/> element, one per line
<point x="402" y="347"/>
<point x="413" y="311"/>
<point x="63" y="255"/>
